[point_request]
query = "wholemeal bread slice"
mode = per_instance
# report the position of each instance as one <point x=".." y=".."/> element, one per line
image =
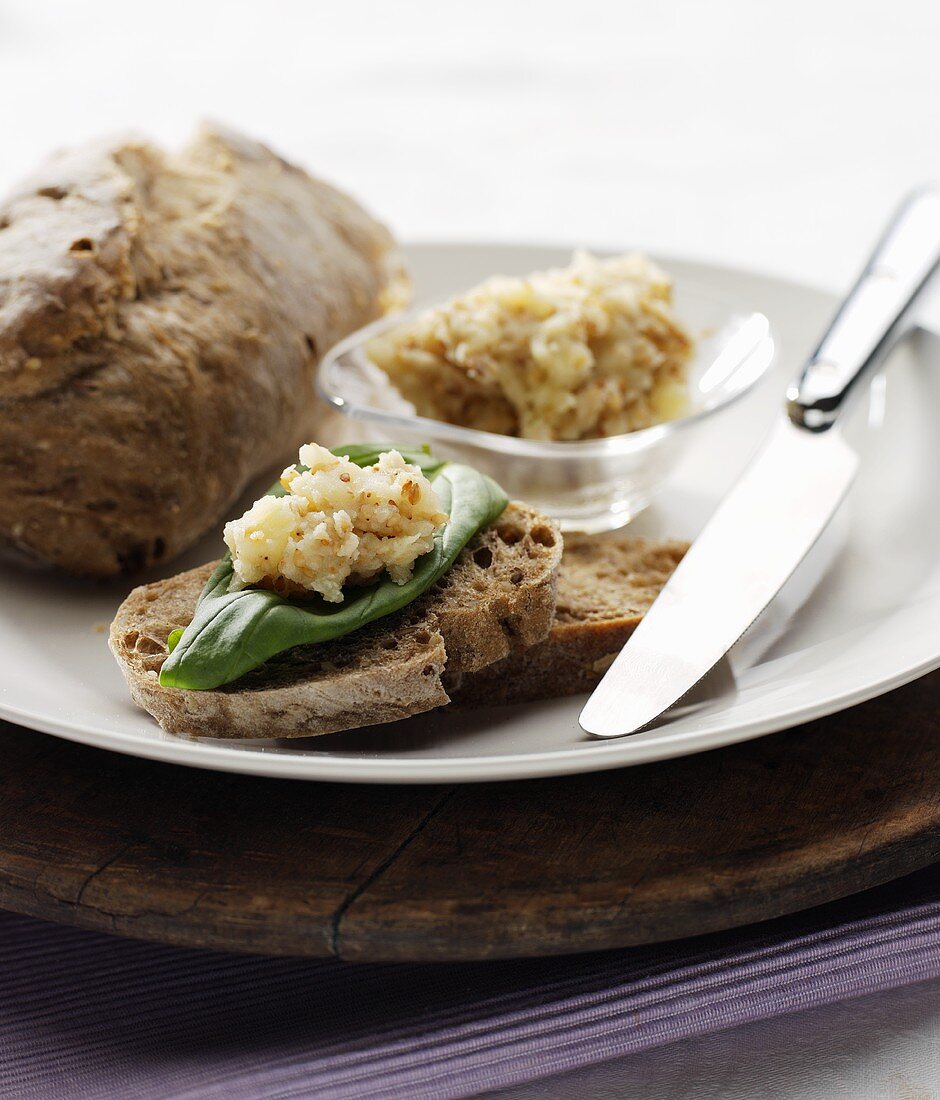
<point x="606" y="585"/>
<point x="498" y="597"/>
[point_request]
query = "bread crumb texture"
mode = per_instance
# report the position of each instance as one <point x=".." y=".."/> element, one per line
<point x="606" y="584"/>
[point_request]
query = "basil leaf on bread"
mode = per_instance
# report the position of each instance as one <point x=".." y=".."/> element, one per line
<point x="235" y="631"/>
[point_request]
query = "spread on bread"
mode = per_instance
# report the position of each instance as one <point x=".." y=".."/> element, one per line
<point x="411" y="513"/>
<point x="496" y="598"/>
<point x="581" y="352"/>
<point x="336" y="524"/>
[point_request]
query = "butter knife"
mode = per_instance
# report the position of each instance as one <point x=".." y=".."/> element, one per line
<point x="774" y="514"/>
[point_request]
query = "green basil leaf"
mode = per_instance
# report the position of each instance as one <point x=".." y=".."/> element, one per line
<point x="233" y="632"/>
<point x="365" y="454"/>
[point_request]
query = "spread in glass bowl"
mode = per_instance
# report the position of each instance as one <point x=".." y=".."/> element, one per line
<point x="587" y="351"/>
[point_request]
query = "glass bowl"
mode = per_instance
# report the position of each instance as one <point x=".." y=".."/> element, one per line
<point x="586" y="485"/>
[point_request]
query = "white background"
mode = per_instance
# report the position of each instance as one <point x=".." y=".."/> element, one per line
<point x="768" y="135"/>
<point x="759" y="133"/>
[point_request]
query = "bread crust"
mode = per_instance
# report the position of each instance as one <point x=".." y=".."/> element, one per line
<point x="161" y="318"/>
<point x="499" y="595"/>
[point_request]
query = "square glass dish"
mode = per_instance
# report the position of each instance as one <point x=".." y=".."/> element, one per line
<point x="586" y="485"/>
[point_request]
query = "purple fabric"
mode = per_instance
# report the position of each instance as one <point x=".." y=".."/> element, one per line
<point x="87" y="1015"/>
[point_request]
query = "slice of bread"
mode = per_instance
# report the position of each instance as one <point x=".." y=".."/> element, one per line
<point x="606" y="585"/>
<point x="498" y="598"/>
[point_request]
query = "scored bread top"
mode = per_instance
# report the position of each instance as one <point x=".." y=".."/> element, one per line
<point x="498" y="596"/>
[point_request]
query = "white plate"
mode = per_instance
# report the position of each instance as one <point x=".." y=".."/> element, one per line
<point x="872" y="624"/>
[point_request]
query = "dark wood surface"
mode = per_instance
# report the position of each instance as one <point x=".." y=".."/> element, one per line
<point x="527" y="868"/>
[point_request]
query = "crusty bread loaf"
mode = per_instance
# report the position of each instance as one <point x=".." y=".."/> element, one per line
<point x="498" y="597"/>
<point x="160" y="321"/>
<point x="606" y="585"/>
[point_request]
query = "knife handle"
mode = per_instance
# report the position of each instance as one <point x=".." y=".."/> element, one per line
<point x="873" y="316"/>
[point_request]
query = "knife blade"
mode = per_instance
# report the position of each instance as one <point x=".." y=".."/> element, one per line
<point x="774" y="514"/>
<point x="754" y="541"/>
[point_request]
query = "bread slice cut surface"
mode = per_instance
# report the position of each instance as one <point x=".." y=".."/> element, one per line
<point x="606" y="584"/>
<point x="499" y="598"/>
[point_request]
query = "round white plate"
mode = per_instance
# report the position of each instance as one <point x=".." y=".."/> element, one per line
<point x="871" y="624"/>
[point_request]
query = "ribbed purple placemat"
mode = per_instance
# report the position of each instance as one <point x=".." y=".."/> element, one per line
<point x="87" y="1015"/>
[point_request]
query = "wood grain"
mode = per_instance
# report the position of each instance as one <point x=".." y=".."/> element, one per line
<point x="530" y="868"/>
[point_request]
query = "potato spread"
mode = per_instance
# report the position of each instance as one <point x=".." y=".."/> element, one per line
<point x="338" y="524"/>
<point x="580" y="352"/>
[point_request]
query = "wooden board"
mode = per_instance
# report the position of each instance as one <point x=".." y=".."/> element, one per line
<point x="527" y="868"/>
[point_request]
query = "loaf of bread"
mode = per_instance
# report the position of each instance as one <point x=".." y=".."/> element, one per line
<point x="161" y="317"/>
<point x="606" y="584"/>
<point x="499" y="597"/>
